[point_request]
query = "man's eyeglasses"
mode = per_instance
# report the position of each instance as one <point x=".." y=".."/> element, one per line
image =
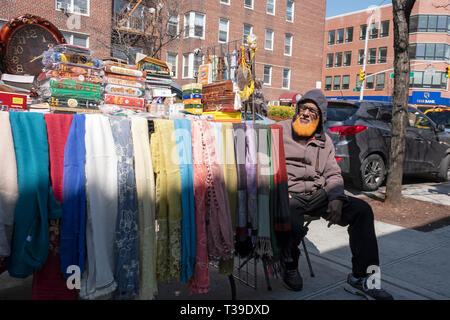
<point x="311" y="110"/>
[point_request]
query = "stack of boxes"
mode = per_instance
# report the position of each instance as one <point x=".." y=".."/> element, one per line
<point x="71" y="80"/>
<point x="124" y="86"/>
<point x="218" y="101"/>
<point x="192" y="98"/>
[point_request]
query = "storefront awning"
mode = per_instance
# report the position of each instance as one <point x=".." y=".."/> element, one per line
<point x="290" y="97"/>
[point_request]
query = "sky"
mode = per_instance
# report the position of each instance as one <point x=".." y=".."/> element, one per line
<point x="337" y="7"/>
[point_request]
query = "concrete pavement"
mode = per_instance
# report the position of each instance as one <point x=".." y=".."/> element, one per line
<point x="414" y="265"/>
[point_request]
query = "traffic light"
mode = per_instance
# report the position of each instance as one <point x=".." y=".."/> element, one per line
<point x="362" y="75"/>
<point x="447" y="72"/>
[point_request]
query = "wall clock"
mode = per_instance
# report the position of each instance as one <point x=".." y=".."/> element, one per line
<point x="23" y="40"/>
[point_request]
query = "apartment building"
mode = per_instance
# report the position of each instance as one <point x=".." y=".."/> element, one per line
<point x="345" y="40"/>
<point x="82" y="22"/>
<point x="289" y="34"/>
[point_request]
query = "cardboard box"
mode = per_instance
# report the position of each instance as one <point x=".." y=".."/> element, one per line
<point x="12" y="101"/>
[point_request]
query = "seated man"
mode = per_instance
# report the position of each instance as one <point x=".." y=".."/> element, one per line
<point x="316" y="188"/>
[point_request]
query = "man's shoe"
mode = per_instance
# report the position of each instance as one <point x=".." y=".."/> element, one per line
<point x="292" y="279"/>
<point x="358" y="286"/>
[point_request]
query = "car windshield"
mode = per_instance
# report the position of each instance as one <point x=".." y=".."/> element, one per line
<point x="442" y="117"/>
<point x="340" y="111"/>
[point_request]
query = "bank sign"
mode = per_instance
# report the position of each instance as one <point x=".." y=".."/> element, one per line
<point x="426" y="97"/>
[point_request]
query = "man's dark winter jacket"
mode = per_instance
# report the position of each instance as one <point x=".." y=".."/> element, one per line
<point x="312" y="166"/>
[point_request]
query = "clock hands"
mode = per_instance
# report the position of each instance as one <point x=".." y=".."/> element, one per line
<point x="35" y="58"/>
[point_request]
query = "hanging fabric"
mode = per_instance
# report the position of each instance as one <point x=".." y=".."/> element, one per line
<point x="263" y="246"/>
<point x="126" y="246"/>
<point x="8" y="185"/>
<point x="145" y="188"/>
<point x="49" y="282"/>
<point x="184" y="146"/>
<point x="102" y="197"/>
<point x="73" y="222"/>
<point x="168" y="201"/>
<point x="251" y="166"/>
<point x="36" y="202"/>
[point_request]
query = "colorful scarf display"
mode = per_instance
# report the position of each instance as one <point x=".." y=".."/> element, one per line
<point x="168" y="200"/>
<point x="73" y="222"/>
<point x="184" y="147"/>
<point x="8" y="185"/>
<point x="48" y="282"/>
<point x="145" y="187"/>
<point x="251" y="167"/>
<point x="102" y="206"/>
<point x="36" y="202"/>
<point x="126" y="244"/>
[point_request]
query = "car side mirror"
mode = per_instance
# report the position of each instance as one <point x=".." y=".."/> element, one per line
<point x="440" y="127"/>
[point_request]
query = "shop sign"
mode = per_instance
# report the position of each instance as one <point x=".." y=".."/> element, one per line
<point x="426" y="97"/>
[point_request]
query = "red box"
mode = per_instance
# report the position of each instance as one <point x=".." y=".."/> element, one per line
<point x="12" y="101"/>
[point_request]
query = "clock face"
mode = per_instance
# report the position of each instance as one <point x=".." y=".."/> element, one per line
<point x="25" y="47"/>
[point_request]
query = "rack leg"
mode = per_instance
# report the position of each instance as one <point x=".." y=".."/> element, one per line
<point x="233" y="287"/>
<point x="307" y="258"/>
<point x="266" y="275"/>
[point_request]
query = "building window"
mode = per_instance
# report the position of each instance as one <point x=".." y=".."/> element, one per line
<point x="380" y="81"/>
<point x="328" y="83"/>
<point x="372" y="57"/>
<point x="173" y="24"/>
<point x="270" y="7"/>
<point x="186" y="66"/>
<point x="223" y="30"/>
<point x="330" y="60"/>
<point x="76" y="39"/>
<point x="269" y="40"/>
<point x="429" y="51"/>
<point x="382" y="54"/>
<point x="349" y="34"/>
<point x="345" y="82"/>
<point x="384" y="31"/>
<point x="248" y="29"/>
<point x="347" y="58"/>
<point x="248" y="4"/>
<point x="374" y="31"/>
<point x="429" y="23"/>
<point x="340" y="36"/>
<point x="338" y="59"/>
<point x="362" y="32"/>
<point x="73" y="6"/>
<point x="429" y="81"/>
<point x="361" y="57"/>
<point x="286" y="78"/>
<point x="198" y="61"/>
<point x="337" y="83"/>
<point x="288" y="45"/>
<point x="225" y="1"/>
<point x="172" y="61"/>
<point x="331" y="37"/>
<point x="194" y="25"/>
<point x="267" y="75"/>
<point x="290" y="11"/>
<point x="369" y="81"/>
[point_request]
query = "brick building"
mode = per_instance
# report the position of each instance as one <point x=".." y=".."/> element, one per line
<point x="344" y="45"/>
<point x="289" y="36"/>
<point x="82" y="22"/>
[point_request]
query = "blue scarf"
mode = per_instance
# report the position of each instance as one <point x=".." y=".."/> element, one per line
<point x="36" y="202"/>
<point x="73" y="224"/>
<point x="184" y="146"/>
<point x="126" y="246"/>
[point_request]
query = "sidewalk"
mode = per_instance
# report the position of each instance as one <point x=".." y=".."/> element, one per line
<point x="414" y="266"/>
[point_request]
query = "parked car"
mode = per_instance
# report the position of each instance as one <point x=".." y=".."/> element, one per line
<point x="361" y="132"/>
<point x="441" y="116"/>
<point x="258" y="118"/>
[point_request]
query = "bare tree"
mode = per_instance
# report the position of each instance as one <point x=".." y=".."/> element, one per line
<point x="402" y="11"/>
<point x="145" y="26"/>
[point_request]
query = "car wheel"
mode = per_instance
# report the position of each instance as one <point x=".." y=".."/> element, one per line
<point x="444" y="173"/>
<point x="372" y="173"/>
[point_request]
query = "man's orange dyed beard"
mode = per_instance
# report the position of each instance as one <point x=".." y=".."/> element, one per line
<point x="305" y="130"/>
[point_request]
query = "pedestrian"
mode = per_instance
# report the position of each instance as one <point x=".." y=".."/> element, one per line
<point x="316" y="188"/>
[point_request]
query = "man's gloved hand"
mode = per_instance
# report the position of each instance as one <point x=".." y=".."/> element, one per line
<point x="335" y="212"/>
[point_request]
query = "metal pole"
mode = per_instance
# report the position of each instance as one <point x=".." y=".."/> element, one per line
<point x="361" y="95"/>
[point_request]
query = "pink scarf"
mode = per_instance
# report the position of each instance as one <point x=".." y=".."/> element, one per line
<point x="49" y="283"/>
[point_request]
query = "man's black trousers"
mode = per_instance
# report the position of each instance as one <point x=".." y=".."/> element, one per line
<point x="356" y="214"/>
